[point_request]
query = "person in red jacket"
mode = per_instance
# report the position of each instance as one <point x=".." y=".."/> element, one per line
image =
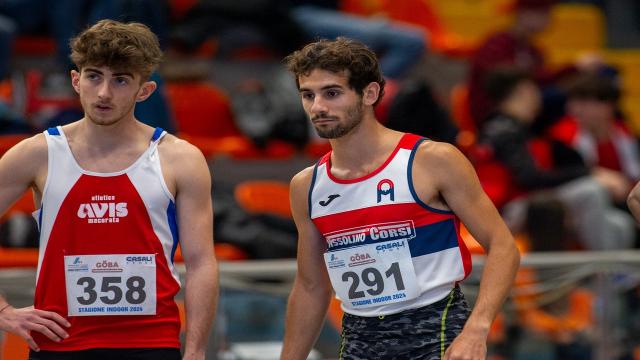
<point x="593" y="128"/>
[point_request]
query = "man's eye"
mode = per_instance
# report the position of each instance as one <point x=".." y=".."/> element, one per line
<point x="307" y="96"/>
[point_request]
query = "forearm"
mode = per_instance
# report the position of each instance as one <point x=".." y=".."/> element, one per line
<point x="306" y="312"/>
<point x="4" y="305"/>
<point x="201" y="300"/>
<point x="500" y="268"/>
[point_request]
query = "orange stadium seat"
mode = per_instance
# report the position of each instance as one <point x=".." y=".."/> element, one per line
<point x="13" y="347"/>
<point x="264" y="196"/>
<point x="201" y="109"/>
<point x="421" y="13"/>
<point x="204" y="117"/>
<point x="461" y="115"/>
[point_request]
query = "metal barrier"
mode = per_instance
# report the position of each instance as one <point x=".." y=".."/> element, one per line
<point x="606" y="274"/>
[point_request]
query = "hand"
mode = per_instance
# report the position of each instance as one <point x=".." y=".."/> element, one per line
<point x="615" y="182"/>
<point x="469" y="345"/>
<point x="24" y="320"/>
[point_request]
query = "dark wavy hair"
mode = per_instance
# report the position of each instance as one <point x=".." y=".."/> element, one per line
<point x="360" y="63"/>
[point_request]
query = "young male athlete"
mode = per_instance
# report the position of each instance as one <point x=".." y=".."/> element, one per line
<point x="114" y="197"/>
<point x="378" y="220"/>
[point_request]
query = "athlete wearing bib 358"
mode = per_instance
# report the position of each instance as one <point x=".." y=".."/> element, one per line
<point x="110" y="239"/>
<point x="114" y="199"/>
<point x="378" y="219"/>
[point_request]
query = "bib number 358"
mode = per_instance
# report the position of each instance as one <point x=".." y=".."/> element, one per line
<point x="119" y="284"/>
<point x="111" y="288"/>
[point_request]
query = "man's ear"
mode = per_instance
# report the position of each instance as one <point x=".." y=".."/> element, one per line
<point x="75" y="80"/>
<point x="147" y="88"/>
<point x="371" y="93"/>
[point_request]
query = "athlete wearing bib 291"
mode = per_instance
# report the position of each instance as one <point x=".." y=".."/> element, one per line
<point x="393" y="261"/>
<point x="387" y="251"/>
<point x="107" y="242"/>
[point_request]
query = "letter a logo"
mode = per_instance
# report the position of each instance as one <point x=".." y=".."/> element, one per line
<point x="385" y="187"/>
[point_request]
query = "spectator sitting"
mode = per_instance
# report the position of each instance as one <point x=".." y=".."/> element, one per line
<point x="593" y="128"/>
<point x="399" y="46"/>
<point x="536" y="165"/>
<point x="514" y="47"/>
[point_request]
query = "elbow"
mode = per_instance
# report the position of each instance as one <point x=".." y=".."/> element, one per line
<point x="316" y="287"/>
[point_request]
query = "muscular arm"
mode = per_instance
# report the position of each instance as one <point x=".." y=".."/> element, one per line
<point x="24" y="166"/>
<point x="195" y="223"/>
<point x="312" y="290"/>
<point x="459" y="188"/>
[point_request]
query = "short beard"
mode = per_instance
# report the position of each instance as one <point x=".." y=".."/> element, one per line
<point x="353" y="117"/>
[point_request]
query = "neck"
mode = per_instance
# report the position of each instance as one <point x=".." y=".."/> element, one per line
<point x="363" y="147"/>
<point x="108" y="136"/>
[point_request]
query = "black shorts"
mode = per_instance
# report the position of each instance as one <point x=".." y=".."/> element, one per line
<point x="108" y="354"/>
<point x="423" y="333"/>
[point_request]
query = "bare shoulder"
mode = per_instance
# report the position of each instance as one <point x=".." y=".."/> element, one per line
<point x="439" y="153"/>
<point x="299" y="192"/>
<point x="184" y="167"/>
<point x="32" y="150"/>
<point x="302" y="180"/>
<point x="178" y="151"/>
<point x="25" y="163"/>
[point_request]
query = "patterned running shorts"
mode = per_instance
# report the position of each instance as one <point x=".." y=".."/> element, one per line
<point x="423" y="333"/>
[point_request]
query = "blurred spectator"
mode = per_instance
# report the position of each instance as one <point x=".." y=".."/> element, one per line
<point x="287" y="25"/>
<point x="398" y="46"/>
<point x="237" y="24"/>
<point x="593" y="128"/>
<point x="63" y="19"/>
<point x="416" y="110"/>
<point x="536" y="164"/>
<point x="514" y="47"/>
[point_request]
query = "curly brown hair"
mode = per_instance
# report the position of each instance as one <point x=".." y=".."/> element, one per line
<point x="117" y="45"/>
<point x="341" y="54"/>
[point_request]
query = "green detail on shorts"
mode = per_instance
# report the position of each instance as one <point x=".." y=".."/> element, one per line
<point x="444" y="324"/>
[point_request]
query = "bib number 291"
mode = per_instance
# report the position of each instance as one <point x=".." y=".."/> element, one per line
<point x="373" y="279"/>
<point x="111" y="290"/>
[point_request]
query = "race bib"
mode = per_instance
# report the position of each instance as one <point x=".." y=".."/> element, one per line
<point x="122" y="284"/>
<point x="373" y="274"/>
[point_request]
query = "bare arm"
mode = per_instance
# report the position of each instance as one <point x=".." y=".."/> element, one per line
<point x="633" y="200"/>
<point x="459" y="188"/>
<point x="22" y="167"/>
<point x="195" y="223"/>
<point x="311" y="293"/>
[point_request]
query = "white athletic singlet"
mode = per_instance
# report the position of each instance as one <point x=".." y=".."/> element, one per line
<point x="107" y="242"/>
<point x="387" y="251"/>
